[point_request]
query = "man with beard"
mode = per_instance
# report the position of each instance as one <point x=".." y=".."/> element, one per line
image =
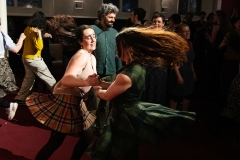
<point x="107" y="61"/>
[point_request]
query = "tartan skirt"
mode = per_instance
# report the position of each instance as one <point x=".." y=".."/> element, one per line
<point x="63" y="113"/>
<point x="7" y="78"/>
<point x="128" y="126"/>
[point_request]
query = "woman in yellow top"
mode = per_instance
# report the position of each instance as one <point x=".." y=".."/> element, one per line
<point x="31" y="58"/>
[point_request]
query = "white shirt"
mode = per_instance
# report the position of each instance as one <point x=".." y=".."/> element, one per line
<point x="9" y="44"/>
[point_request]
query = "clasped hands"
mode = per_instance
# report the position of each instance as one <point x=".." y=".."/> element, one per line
<point x="94" y="80"/>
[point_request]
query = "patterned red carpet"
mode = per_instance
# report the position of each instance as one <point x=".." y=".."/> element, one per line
<point x="22" y="138"/>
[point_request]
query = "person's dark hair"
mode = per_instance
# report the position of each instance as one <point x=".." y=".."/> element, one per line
<point x="224" y="20"/>
<point x="79" y="31"/>
<point x="233" y="37"/>
<point x="189" y="13"/>
<point x="128" y="23"/>
<point x="63" y="20"/>
<point x="140" y="12"/>
<point x="59" y="23"/>
<point x="62" y="28"/>
<point x="157" y="14"/>
<point x="202" y="13"/>
<point x="178" y="28"/>
<point x="152" y="47"/>
<point x="176" y="18"/>
<point x="38" y="20"/>
<point x="105" y="9"/>
<point x="210" y="15"/>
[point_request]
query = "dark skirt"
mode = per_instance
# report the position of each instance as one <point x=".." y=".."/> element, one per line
<point x="63" y="113"/>
<point x="7" y="78"/>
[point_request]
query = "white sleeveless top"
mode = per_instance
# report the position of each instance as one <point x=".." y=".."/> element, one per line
<point x="76" y="91"/>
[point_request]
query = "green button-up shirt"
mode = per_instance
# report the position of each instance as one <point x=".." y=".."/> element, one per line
<point x="106" y="50"/>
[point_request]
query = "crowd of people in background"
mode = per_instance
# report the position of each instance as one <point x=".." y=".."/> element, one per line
<point x="146" y="70"/>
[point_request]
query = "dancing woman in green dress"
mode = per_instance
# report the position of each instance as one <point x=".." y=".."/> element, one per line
<point x="132" y="121"/>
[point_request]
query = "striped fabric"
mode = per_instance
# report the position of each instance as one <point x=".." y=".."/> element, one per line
<point x="130" y="123"/>
<point x="63" y="113"/>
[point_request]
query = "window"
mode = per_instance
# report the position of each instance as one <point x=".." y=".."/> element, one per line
<point x="30" y="3"/>
<point x="128" y="5"/>
<point x="114" y="2"/>
<point x="10" y="3"/>
<point x="193" y="6"/>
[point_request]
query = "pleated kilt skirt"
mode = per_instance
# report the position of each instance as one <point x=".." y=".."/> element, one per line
<point x="63" y="113"/>
<point x="7" y="78"/>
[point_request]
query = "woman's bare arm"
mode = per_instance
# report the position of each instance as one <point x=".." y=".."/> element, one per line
<point x="120" y="85"/>
<point x="19" y="44"/>
<point x="75" y="66"/>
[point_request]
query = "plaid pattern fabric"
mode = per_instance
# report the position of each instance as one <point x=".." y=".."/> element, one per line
<point x="63" y="113"/>
<point x="128" y="125"/>
<point x="7" y="79"/>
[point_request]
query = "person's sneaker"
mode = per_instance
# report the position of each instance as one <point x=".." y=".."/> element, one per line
<point x="20" y="102"/>
<point x="12" y="110"/>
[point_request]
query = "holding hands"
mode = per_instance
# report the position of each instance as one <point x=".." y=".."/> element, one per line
<point x="93" y="80"/>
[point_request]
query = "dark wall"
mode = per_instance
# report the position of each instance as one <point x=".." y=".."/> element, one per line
<point x="229" y="5"/>
<point x="20" y="23"/>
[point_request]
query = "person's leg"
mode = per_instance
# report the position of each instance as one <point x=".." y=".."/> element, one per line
<point x="55" y="141"/>
<point x="27" y="82"/>
<point x="39" y="67"/>
<point x="185" y="104"/>
<point x="174" y="102"/>
<point x="11" y="108"/>
<point x="35" y="85"/>
<point x="4" y="103"/>
<point x="85" y="140"/>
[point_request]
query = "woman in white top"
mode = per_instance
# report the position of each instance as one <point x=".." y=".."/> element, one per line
<point x="64" y="111"/>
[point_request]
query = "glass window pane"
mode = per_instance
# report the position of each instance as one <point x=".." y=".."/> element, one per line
<point x="10" y="2"/>
<point x="128" y="5"/>
<point x="30" y="3"/>
<point x="114" y="2"/>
